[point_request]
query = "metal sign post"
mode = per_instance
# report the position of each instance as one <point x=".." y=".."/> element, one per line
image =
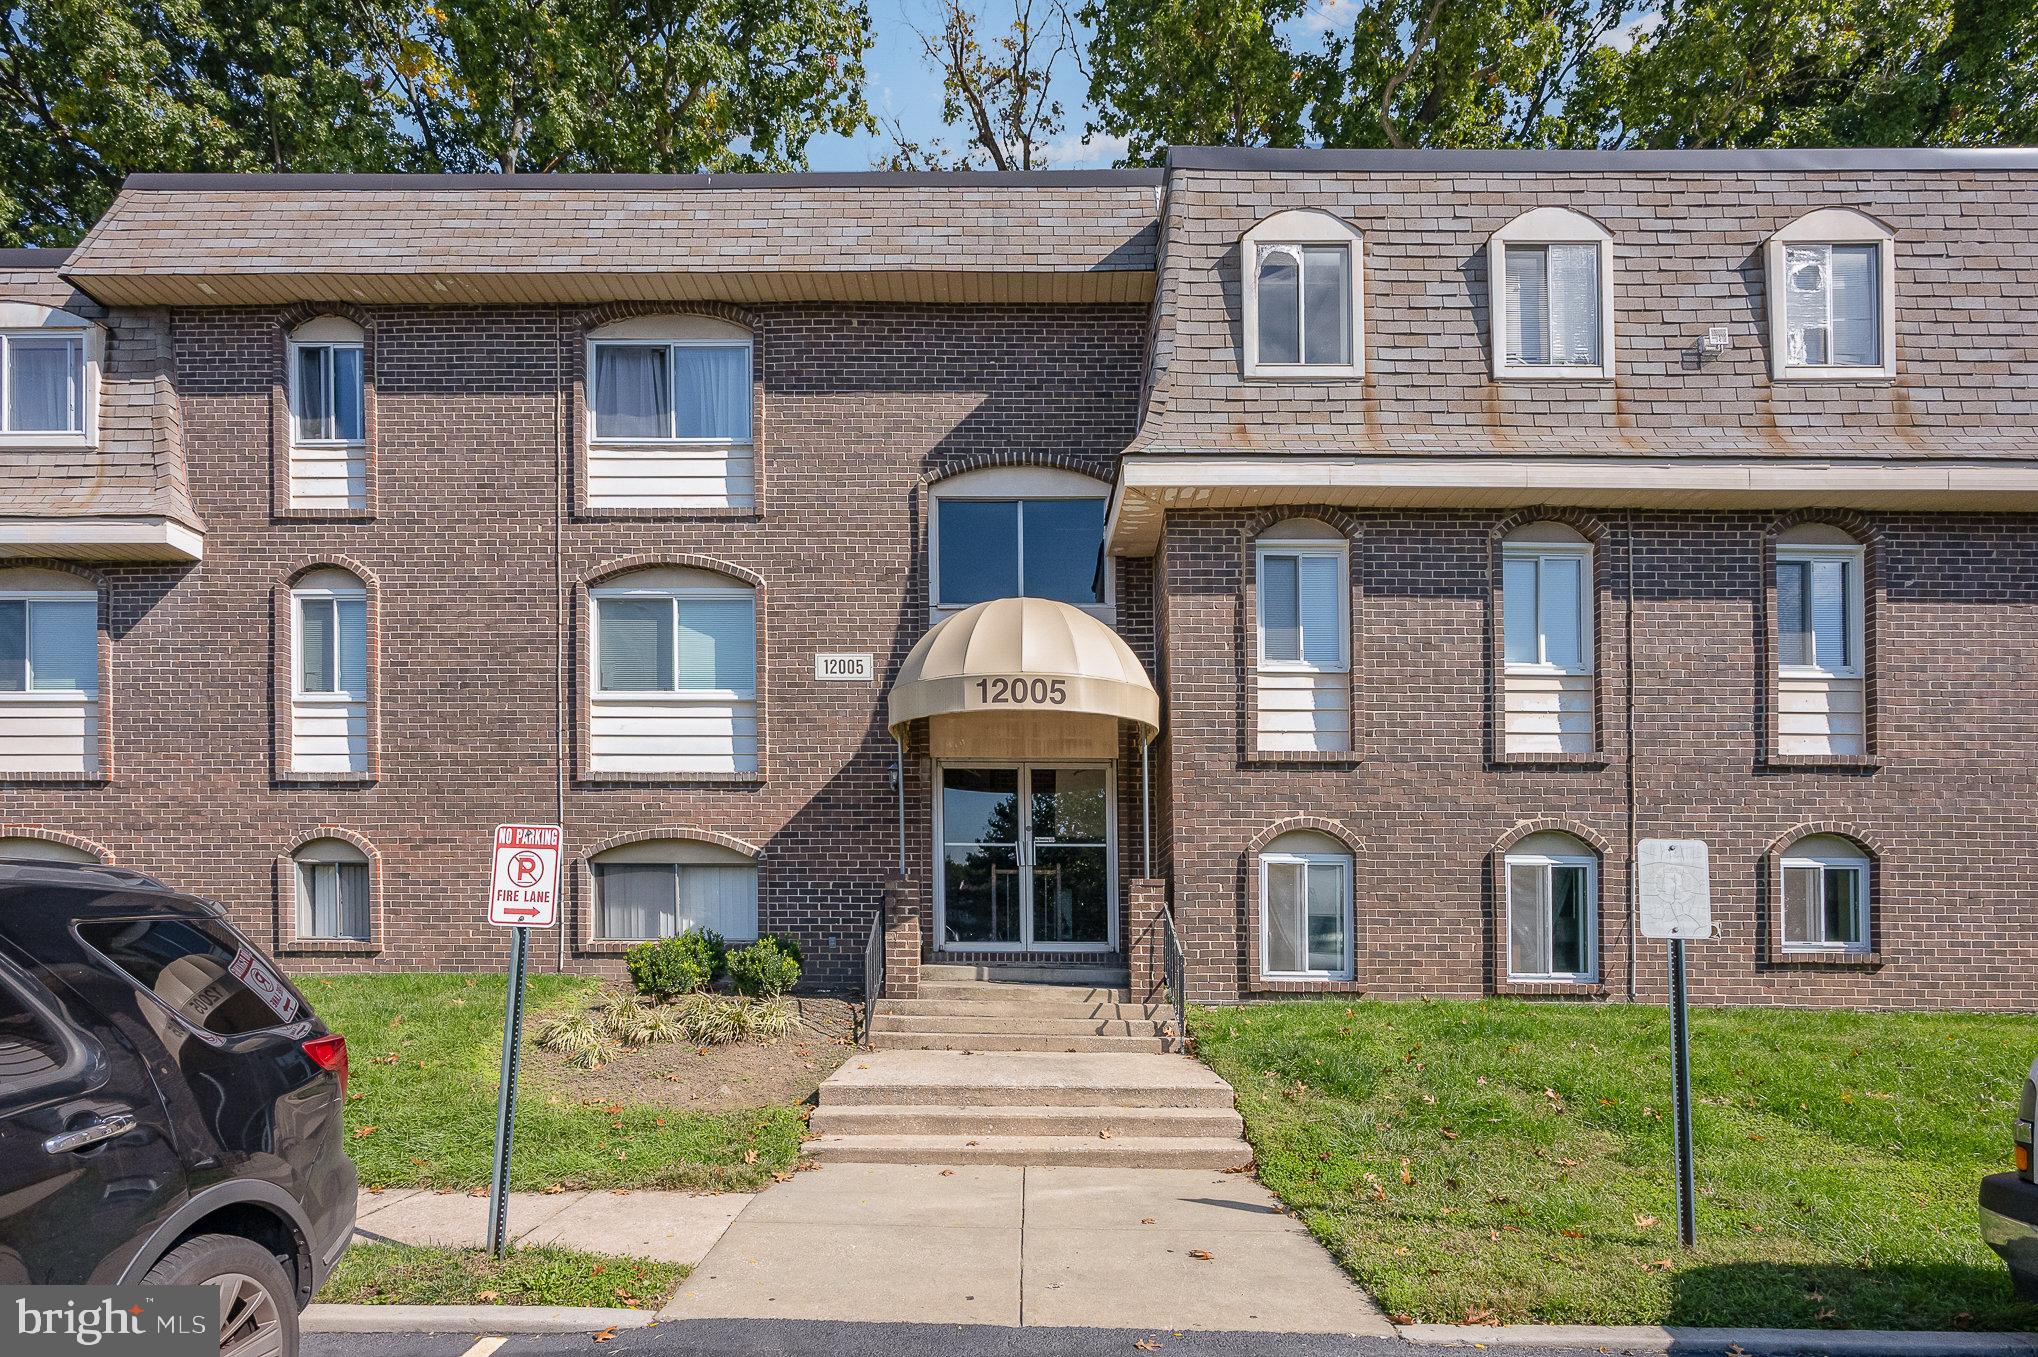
<point x="523" y="894"/>
<point x="1673" y="893"/>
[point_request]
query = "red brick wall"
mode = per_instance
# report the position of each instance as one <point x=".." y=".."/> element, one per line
<point x="1950" y="806"/>
<point x="476" y="568"/>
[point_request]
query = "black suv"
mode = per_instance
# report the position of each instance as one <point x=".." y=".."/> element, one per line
<point x="170" y="1108"/>
<point x="2009" y="1201"/>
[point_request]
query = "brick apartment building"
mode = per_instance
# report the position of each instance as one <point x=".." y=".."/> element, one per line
<point x="1353" y="553"/>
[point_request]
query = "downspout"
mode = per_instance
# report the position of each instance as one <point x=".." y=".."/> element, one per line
<point x="1628" y="634"/>
<point x="899" y="785"/>
<point x="559" y="599"/>
<point x="1146" y="806"/>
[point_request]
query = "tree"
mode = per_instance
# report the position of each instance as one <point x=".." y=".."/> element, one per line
<point x="1193" y="73"/>
<point x="1000" y="94"/>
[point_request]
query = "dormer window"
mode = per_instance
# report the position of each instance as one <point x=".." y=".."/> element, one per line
<point x="1831" y="278"/>
<point x="49" y="376"/>
<point x="1551" y="295"/>
<point x="1304" y="294"/>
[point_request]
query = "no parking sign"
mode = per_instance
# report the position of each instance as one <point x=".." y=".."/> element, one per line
<point x="525" y="889"/>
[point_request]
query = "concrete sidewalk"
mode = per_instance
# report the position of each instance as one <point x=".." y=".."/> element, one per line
<point x="671" y="1227"/>
<point x="1174" y="1249"/>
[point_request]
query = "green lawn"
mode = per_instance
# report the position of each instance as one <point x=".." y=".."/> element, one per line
<point x="1511" y="1161"/>
<point x="425" y="1052"/>
<point x="407" y="1274"/>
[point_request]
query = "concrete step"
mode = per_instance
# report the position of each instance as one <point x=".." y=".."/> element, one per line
<point x="997" y="1041"/>
<point x="1209" y="1123"/>
<point x="1146" y="1152"/>
<point x="977" y="1008"/>
<point x="1049" y="1023"/>
<point x="1018" y="973"/>
<point x="1022" y="1079"/>
<point x="986" y="991"/>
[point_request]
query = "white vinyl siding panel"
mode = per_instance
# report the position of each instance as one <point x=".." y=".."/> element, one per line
<point x="1303" y="678"/>
<point x="49" y="733"/>
<point x="328" y="476"/>
<point x="1549" y="713"/>
<point x="1821" y="716"/>
<point x="328" y="734"/>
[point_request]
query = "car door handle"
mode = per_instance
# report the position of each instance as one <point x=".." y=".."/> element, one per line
<point x="106" y="1128"/>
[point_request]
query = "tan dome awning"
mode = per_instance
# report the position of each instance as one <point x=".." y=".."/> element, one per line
<point x="1031" y="655"/>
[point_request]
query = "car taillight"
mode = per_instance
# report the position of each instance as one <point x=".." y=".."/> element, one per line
<point x="330" y="1053"/>
<point x="2024" y="1160"/>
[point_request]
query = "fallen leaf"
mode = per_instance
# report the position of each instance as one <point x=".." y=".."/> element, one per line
<point x="360" y="1131"/>
<point x="605" y="1336"/>
<point x="1398" y="1318"/>
<point x="1572" y="1234"/>
<point x="1201" y="1254"/>
<point x="486" y="1295"/>
<point x="1146" y="1345"/>
<point x="1146" y="1220"/>
<point x="1645" y="1222"/>
<point x="749" y="1156"/>
<point x="554" y="1189"/>
<point x="948" y="1173"/>
<point x="477" y="1192"/>
<point x="1406" y="1176"/>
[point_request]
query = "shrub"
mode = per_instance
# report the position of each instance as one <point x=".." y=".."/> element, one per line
<point x="788" y="944"/>
<point x="764" y="969"/>
<point x="680" y="965"/>
<point x="712" y="1019"/>
<point x="579" y="1037"/>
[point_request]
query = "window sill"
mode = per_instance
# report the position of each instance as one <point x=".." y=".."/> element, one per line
<point x="1535" y="758"/>
<point x="610" y="946"/>
<point x="1838" y="763"/>
<point x="331" y="947"/>
<point x="362" y="514"/>
<point x="1552" y="989"/>
<point x="1339" y="372"/>
<point x="69" y="776"/>
<point x="668" y="513"/>
<point x="1853" y="961"/>
<point x="596" y="777"/>
<point x="50" y="442"/>
<point x="1308" y="758"/>
<point x="1875" y="376"/>
<point x="301" y="777"/>
<point x="1261" y="984"/>
<point x="1511" y="373"/>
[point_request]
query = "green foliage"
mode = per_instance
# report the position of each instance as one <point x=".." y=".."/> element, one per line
<point x="579" y="1036"/>
<point x="1193" y="73"/>
<point x="414" y="1274"/>
<point x="764" y="969"/>
<point x="93" y="90"/>
<point x="1511" y="1161"/>
<point x="670" y="967"/>
<point x="712" y="1019"/>
<point x="788" y="944"/>
<point x="421" y="1103"/>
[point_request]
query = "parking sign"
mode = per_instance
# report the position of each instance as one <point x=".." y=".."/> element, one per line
<point x="524" y="891"/>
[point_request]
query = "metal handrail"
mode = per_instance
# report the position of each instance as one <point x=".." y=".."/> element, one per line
<point x="1175" y="969"/>
<point x="873" y="971"/>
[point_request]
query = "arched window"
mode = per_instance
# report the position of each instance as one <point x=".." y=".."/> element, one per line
<point x="49" y="376"/>
<point x="1550" y="296"/>
<point x="49" y="672"/>
<point x="1020" y="531"/>
<point x="660" y="887"/>
<point x="1832" y="305"/>
<point x="333" y="890"/>
<point x="328" y="415"/>
<point x="1824" y="888"/>
<point x="1821" y="641"/>
<point x="330" y="679"/>
<point x="1304" y="297"/>
<point x="1552" y="884"/>
<point x="1305" y="908"/>
<point x="1547" y="641"/>
<point x="26" y="848"/>
<point x="674" y="673"/>
<point x="1303" y="645"/>
<point x="669" y="414"/>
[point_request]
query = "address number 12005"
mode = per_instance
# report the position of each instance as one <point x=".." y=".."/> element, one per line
<point x="1022" y="692"/>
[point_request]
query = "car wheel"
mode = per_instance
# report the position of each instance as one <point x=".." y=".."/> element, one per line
<point x="257" y="1304"/>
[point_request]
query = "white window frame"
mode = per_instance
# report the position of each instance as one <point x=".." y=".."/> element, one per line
<point x="29" y="692"/>
<point x="1822" y="864"/>
<point x="1322" y="548"/>
<point x="1539" y="552"/>
<point x="1830" y="226"/>
<point x="1855" y="560"/>
<point x="677" y="594"/>
<point x="296" y="347"/>
<point x="298" y="598"/>
<point x="24" y="320"/>
<point x="305" y="913"/>
<point x="1546" y="861"/>
<point x="690" y="858"/>
<point x="1296" y="230"/>
<point x="729" y="341"/>
<point x="1549" y="226"/>
<point x="998" y="484"/>
<point x="1306" y="860"/>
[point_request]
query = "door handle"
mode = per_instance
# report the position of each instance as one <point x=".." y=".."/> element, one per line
<point x="106" y="1128"/>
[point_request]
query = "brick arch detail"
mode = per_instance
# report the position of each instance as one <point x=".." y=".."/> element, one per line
<point x="302" y="313"/>
<point x="690" y="832"/>
<point x="334" y="561"/>
<point x="608" y="313"/>
<point x="988" y="461"/>
<point x="1598" y="842"/>
<point x="1590" y="525"/>
<point x="58" y="836"/>
<point x="373" y="855"/>
<point x="1869" y="843"/>
<point x="1857" y="525"/>
<point x="1329" y="515"/>
<point x="1321" y="824"/>
<point x="651" y="560"/>
<point x="86" y="575"/>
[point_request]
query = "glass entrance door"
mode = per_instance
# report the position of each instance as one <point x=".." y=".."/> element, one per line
<point x="1026" y="858"/>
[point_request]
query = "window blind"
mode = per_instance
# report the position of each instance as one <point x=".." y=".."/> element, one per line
<point x="1559" y="608"/>
<point x="1574" y="304"/>
<point x="1856" y="324"/>
<point x="1317" y="608"/>
<point x="1326" y="297"/>
<point x="1528" y="305"/>
<point x="1280" y="620"/>
<point x="636" y="644"/>
<point x="1284" y="927"/>
<point x="333" y="900"/>
<point x="1829" y="608"/>
<point x="63" y="646"/>
<point x="13" y="645"/>
<point x="1326" y="917"/>
<point x="1518" y="588"/>
<point x="315" y="645"/>
<point x="1280" y="305"/>
<point x="347" y="416"/>
<point x="717" y="645"/>
<point x="1528" y="917"/>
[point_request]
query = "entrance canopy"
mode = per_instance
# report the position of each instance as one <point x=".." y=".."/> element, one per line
<point x="1024" y="655"/>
